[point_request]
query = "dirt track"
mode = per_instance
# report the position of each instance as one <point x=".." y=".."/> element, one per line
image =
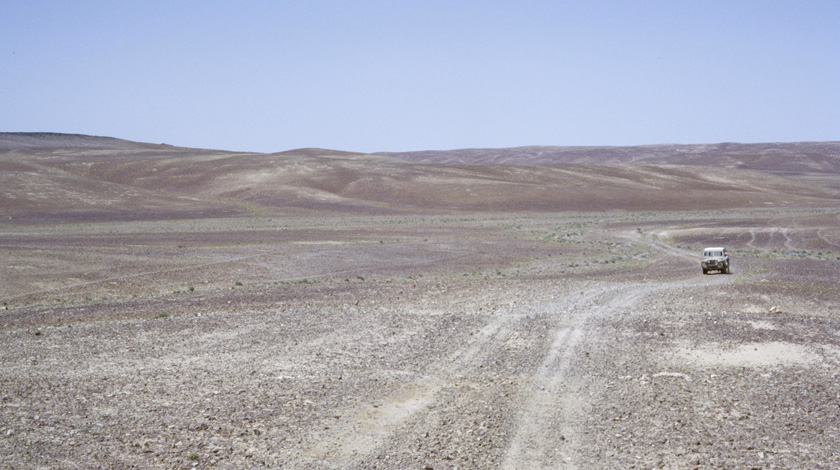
<point x="556" y="341"/>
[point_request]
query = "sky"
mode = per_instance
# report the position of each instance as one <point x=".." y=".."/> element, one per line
<point x="367" y="76"/>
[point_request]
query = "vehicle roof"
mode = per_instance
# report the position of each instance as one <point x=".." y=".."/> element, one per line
<point x="714" y="248"/>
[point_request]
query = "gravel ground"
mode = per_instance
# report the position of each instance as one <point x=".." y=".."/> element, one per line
<point x="549" y="342"/>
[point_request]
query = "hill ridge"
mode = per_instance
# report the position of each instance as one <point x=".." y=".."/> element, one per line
<point x="132" y="180"/>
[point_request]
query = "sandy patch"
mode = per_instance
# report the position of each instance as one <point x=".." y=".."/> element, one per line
<point x="769" y="354"/>
<point x="754" y="309"/>
<point x="762" y="325"/>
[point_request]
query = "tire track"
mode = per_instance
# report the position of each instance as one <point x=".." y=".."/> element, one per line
<point x="547" y="429"/>
<point x="752" y="238"/>
<point x="823" y="238"/>
<point x="378" y="421"/>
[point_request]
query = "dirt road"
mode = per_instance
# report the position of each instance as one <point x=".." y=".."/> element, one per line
<point x="524" y="360"/>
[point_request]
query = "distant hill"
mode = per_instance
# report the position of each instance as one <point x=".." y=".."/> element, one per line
<point x="773" y="157"/>
<point x="58" y="177"/>
<point x="51" y="140"/>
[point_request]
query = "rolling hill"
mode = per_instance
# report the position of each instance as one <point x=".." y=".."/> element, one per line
<point x="61" y="177"/>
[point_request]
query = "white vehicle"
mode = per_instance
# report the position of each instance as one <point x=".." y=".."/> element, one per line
<point x="715" y="259"/>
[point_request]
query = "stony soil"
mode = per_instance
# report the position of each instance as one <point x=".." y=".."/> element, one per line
<point x="548" y="341"/>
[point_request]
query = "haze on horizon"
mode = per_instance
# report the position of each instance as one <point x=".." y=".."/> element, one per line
<point x="397" y="76"/>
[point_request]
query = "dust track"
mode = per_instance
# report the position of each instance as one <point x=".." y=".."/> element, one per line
<point x="549" y="429"/>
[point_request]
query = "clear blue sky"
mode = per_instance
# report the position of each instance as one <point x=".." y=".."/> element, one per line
<point x="398" y="75"/>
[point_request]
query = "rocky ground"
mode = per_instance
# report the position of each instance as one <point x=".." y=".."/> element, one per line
<point x="547" y="341"/>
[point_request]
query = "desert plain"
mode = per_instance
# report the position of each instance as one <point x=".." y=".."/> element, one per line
<point x="539" y="307"/>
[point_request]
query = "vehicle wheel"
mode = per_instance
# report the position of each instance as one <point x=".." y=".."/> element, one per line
<point x="705" y="271"/>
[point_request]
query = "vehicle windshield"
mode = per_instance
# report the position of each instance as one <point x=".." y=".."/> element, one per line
<point x="713" y="253"/>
